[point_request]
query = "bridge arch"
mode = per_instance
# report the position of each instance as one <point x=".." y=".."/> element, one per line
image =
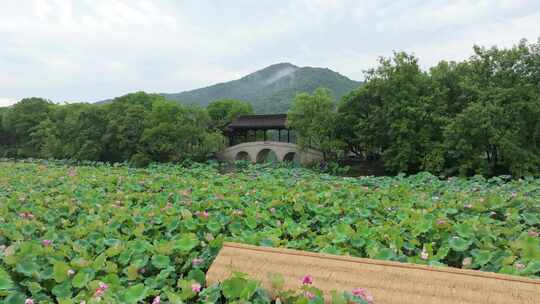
<point x="262" y="155"/>
<point x="266" y="155"/>
<point x="242" y="155"/>
<point x="290" y="157"/>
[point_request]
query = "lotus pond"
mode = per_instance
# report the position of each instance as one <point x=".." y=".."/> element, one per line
<point x="67" y="232"/>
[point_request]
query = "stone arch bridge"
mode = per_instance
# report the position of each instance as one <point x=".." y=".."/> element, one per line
<point x="260" y="138"/>
<point x="259" y="151"/>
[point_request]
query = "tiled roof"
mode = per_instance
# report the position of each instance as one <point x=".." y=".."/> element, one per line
<point x="273" y="121"/>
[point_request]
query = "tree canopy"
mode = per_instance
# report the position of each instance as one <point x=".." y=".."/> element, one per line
<point x="313" y="118"/>
<point x="479" y="116"/>
<point x="139" y="128"/>
<point x="223" y="112"/>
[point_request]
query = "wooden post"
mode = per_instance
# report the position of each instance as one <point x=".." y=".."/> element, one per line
<point x="288" y="136"/>
<point x="264" y="135"/>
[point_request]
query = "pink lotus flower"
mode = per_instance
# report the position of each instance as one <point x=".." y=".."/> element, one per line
<point x="100" y="291"/>
<point x="26" y="215"/>
<point x="307" y="280"/>
<point x="203" y="214"/>
<point x="29" y="301"/>
<point x="363" y="293"/>
<point x="157" y="300"/>
<point x="520" y="266"/>
<point x="196" y="287"/>
<point x="70" y="272"/>
<point x="273" y="210"/>
<point x="238" y="212"/>
<point x="309" y="295"/>
<point x="533" y="233"/>
<point x="46" y="242"/>
<point x="197" y="261"/>
<point x="467" y="206"/>
<point x="467" y="261"/>
<point x="441" y="221"/>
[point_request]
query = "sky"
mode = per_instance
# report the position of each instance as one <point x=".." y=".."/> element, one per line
<point x="90" y="50"/>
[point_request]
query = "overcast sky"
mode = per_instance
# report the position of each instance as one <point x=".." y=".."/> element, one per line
<point x="89" y="50"/>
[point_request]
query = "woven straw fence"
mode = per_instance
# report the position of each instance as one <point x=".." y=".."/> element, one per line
<point x="389" y="282"/>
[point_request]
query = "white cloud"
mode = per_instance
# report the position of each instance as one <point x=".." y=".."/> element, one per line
<point x="89" y="50"/>
<point x="7" y="101"/>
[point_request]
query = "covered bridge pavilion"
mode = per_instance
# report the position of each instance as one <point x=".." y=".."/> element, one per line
<point x="251" y="128"/>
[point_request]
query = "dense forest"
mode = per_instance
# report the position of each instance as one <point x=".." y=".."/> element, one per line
<point x="138" y="128"/>
<point x="477" y="116"/>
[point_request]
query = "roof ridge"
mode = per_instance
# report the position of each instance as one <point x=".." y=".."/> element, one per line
<point x="263" y="115"/>
<point x="261" y="121"/>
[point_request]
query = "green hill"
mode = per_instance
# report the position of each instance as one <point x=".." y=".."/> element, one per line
<point x="272" y="89"/>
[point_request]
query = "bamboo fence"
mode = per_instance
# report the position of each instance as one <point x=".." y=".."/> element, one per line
<point x="389" y="282"/>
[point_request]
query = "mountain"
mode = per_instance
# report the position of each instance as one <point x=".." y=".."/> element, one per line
<point x="272" y="89"/>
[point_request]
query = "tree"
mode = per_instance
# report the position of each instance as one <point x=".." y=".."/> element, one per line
<point x="20" y="121"/>
<point x="476" y="116"/>
<point x="358" y="123"/>
<point x="499" y="131"/>
<point x="126" y="116"/>
<point x="174" y="133"/>
<point x="88" y="126"/>
<point x="313" y="118"/>
<point x="223" y="112"/>
<point x="58" y="132"/>
<point x="4" y="135"/>
<point x="137" y="127"/>
<point x="396" y="116"/>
